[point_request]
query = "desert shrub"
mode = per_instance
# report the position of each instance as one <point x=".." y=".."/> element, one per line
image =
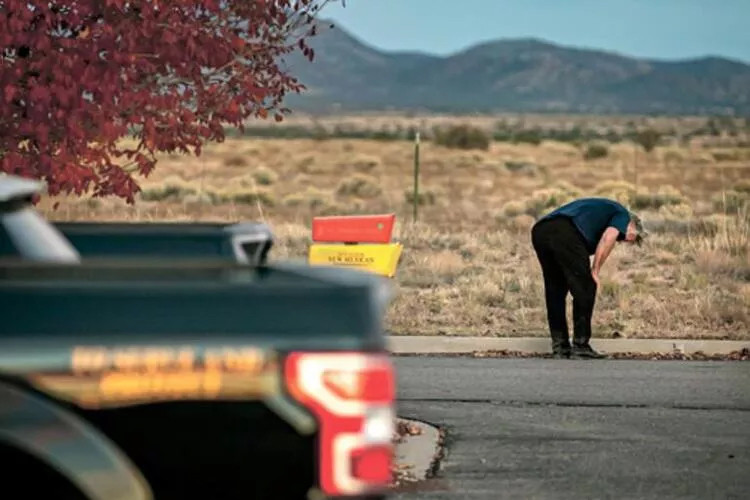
<point x="293" y="200"/>
<point x="673" y="156"/>
<point x="384" y="134"/>
<point x="616" y="190"/>
<point x="521" y="222"/>
<point x="648" y="139"/>
<point x="264" y="176"/>
<point x="568" y="189"/>
<point x="446" y="266"/>
<point x="665" y="196"/>
<point x="425" y="197"/>
<point x="726" y="155"/>
<point x="678" y="211"/>
<point x="172" y="188"/>
<point x="336" y="209"/>
<point x="502" y="134"/>
<point x="315" y="198"/>
<point x="467" y="160"/>
<point x="596" y="150"/>
<point x="261" y="177"/>
<point x="251" y="197"/>
<point x="491" y="294"/>
<point x="304" y="162"/>
<point x="513" y="208"/>
<point x="683" y="226"/>
<point x="533" y="137"/>
<point x="236" y="161"/>
<point x="360" y="186"/>
<point x="542" y="200"/>
<point x="319" y="133"/>
<point x="505" y="132"/>
<point x="312" y="198"/>
<point x="301" y="180"/>
<point x="365" y="163"/>
<point x="215" y="196"/>
<point x="610" y="292"/>
<point x="522" y="167"/>
<point x="730" y="201"/>
<point x="93" y="203"/>
<point x="199" y="199"/>
<point x="462" y="137"/>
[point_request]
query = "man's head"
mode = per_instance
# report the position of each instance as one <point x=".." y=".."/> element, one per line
<point x="635" y="233"/>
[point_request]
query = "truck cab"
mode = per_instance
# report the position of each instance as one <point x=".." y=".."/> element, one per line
<point x="25" y="234"/>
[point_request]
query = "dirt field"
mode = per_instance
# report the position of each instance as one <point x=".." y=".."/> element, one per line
<point x="468" y="267"/>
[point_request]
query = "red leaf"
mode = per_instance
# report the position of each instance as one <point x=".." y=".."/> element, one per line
<point x="39" y="94"/>
<point x="9" y="92"/>
<point x="238" y="43"/>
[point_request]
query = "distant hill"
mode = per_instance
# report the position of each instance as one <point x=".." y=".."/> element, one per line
<point x="527" y="75"/>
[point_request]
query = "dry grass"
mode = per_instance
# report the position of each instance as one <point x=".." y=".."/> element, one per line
<point x="359" y="186"/>
<point x="468" y="266"/>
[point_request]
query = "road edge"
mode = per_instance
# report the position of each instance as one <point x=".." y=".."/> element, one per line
<point x="398" y="344"/>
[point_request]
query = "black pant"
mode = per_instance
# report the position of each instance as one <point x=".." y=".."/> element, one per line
<point x="564" y="258"/>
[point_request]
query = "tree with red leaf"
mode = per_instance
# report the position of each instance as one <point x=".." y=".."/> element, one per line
<point x="77" y="76"/>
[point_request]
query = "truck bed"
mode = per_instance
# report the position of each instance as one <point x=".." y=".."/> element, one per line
<point x="287" y="306"/>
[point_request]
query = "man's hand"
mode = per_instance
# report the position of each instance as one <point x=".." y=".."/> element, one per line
<point x="606" y="243"/>
<point x="595" y="275"/>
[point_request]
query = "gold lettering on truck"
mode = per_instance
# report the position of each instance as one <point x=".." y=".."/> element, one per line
<point x="127" y="386"/>
<point x="122" y="375"/>
<point x="88" y="359"/>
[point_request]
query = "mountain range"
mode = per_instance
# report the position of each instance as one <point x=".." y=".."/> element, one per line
<point x="515" y="75"/>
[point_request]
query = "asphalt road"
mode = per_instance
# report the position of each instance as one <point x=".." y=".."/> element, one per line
<point x="542" y="428"/>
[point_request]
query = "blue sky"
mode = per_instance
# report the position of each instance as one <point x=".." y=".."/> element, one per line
<point x="660" y="29"/>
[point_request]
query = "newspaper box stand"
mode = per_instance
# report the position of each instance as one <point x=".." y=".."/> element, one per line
<point x="359" y="241"/>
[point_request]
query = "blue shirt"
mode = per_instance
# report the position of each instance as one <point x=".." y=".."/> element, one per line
<point x="592" y="216"/>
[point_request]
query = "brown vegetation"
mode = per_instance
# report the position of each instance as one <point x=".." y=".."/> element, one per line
<point x="468" y="267"/>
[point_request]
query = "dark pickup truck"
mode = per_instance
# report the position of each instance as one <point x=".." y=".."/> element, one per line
<point x="126" y="377"/>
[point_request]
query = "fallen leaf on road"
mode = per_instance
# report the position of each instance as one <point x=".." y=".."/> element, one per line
<point x="741" y="355"/>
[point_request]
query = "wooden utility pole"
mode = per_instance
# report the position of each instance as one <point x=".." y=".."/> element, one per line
<point x="415" y="200"/>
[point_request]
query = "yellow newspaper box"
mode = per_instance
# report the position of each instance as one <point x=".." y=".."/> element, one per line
<point x="377" y="258"/>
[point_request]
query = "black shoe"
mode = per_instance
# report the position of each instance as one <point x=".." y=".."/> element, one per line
<point x="585" y="351"/>
<point x="560" y="350"/>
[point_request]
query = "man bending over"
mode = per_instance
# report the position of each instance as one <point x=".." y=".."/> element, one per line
<point x="564" y="240"/>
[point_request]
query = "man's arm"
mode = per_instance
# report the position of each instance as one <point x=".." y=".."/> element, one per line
<point x="603" y="249"/>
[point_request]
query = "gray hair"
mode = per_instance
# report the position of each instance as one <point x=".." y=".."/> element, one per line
<point x="640" y="232"/>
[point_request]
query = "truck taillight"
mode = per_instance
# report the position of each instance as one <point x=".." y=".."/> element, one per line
<point x="351" y="395"/>
<point x="370" y="385"/>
